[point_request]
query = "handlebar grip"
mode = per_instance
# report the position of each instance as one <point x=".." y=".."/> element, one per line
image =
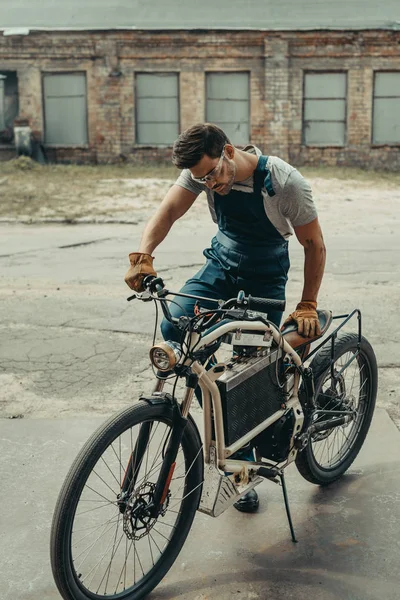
<point x="265" y="304"/>
<point x="148" y="280"/>
<point x="153" y="284"/>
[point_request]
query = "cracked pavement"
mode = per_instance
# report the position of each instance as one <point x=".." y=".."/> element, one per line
<point x="72" y="345"/>
<point x="70" y="342"/>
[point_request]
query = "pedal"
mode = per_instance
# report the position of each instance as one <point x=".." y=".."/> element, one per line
<point x="269" y="473"/>
<point x="219" y="491"/>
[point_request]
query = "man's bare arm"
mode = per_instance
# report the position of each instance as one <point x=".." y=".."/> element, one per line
<point x="310" y="237"/>
<point x="176" y="203"/>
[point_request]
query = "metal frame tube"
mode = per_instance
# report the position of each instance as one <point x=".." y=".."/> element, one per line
<point x="248" y="326"/>
<point x="332" y="336"/>
<point x="212" y="397"/>
<point x="209" y="383"/>
<point x="210" y="392"/>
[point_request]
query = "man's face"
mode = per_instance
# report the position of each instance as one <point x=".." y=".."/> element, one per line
<point x="217" y="174"/>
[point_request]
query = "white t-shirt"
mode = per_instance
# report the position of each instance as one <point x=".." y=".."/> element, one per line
<point x="291" y="204"/>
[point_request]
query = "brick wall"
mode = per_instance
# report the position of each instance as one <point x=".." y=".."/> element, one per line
<point x="276" y="62"/>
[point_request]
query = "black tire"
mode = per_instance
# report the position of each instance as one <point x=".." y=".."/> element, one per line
<point x="97" y="452"/>
<point x="329" y="397"/>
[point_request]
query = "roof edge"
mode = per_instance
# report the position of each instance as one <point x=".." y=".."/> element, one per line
<point x="14" y="31"/>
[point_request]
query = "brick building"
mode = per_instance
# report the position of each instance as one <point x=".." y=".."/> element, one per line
<point x="317" y="83"/>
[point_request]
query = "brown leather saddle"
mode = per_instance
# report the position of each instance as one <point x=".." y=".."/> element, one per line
<point x="298" y="341"/>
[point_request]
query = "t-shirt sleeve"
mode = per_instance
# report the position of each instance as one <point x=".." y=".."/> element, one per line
<point x="186" y="181"/>
<point x="299" y="206"/>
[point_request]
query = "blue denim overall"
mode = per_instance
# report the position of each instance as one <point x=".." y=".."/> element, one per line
<point x="248" y="253"/>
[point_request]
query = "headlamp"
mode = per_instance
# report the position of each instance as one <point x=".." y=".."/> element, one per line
<point x="164" y="356"/>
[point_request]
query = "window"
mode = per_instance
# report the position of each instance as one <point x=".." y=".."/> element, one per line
<point x="8" y="104"/>
<point x="228" y="104"/>
<point x="386" y="109"/>
<point x="65" y="109"/>
<point x="157" y="108"/>
<point x="324" y="116"/>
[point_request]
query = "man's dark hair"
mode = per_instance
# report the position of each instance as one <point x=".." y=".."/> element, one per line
<point x="195" y="142"/>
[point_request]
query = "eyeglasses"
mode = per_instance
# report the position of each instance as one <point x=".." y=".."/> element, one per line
<point x="212" y="174"/>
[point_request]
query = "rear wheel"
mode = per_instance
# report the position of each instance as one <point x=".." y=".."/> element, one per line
<point x="330" y="453"/>
<point x="104" y="548"/>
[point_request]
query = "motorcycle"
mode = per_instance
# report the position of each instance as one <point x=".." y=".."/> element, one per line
<point x="130" y="497"/>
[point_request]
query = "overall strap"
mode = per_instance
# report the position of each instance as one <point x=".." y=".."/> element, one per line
<point x="262" y="176"/>
<point x="262" y="162"/>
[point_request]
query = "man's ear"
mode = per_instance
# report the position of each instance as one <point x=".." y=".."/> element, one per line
<point x="229" y="151"/>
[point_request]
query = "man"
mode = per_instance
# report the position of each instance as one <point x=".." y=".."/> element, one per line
<point x="257" y="202"/>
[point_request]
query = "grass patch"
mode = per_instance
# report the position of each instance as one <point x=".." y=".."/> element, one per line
<point x="343" y="173"/>
<point x="58" y="172"/>
<point x="24" y="165"/>
<point x="30" y="191"/>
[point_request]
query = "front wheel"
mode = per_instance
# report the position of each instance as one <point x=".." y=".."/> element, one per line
<point x="330" y="452"/>
<point x="105" y="540"/>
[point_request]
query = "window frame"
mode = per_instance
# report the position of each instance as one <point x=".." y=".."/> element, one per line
<point x="176" y="72"/>
<point x="380" y="144"/>
<point x="69" y="72"/>
<point x="346" y="112"/>
<point x="228" y="72"/>
<point x="3" y="144"/>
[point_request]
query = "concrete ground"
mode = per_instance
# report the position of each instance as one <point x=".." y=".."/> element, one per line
<point x="71" y="344"/>
<point x="348" y="543"/>
<point x="72" y="351"/>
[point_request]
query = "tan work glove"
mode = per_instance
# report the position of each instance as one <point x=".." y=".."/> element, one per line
<point x="141" y="266"/>
<point x="306" y="318"/>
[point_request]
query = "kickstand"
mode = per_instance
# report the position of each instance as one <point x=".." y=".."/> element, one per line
<point x="285" y="497"/>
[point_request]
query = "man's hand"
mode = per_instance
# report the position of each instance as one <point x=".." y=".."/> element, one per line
<point x="306" y="318"/>
<point x="141" y="266"/>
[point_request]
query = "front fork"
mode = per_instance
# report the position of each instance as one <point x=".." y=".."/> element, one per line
<point x="179" y="422"/>
<point x="134" y="464"/>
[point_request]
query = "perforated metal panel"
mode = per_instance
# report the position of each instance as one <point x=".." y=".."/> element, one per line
<point x="157" y="108"/>
<point x="228" y="104"/>
<point x="65" y="108"/>
<point x="324" y="115"/>
<point x="386" y="109"/>
<point x="250" y="394"/>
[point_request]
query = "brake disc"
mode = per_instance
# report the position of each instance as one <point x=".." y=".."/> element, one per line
<point x="137" y="519"/>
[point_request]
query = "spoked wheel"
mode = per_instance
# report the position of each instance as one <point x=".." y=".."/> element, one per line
<point x="353" y="389"/>
<point x="106" y="542"/>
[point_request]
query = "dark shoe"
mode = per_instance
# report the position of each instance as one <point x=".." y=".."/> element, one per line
<point x="248" y="503"/>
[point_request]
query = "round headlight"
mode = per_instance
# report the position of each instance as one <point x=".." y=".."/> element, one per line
<point x="165" y="355"/>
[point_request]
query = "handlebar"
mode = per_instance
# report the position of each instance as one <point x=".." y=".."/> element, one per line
<point x="264" y="304"/>
<point x="154" y="286"/>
